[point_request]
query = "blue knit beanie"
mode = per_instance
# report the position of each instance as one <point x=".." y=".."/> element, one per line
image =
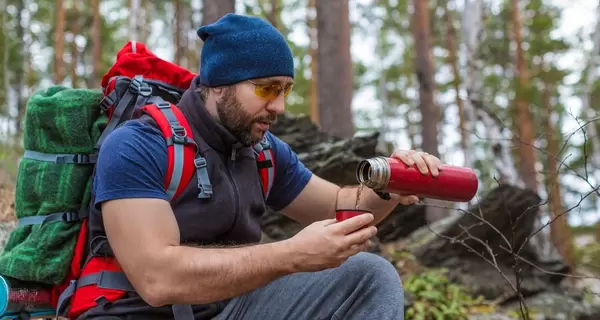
<point x="238" y="48"/>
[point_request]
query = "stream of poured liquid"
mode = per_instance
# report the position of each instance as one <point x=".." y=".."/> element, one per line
<point x="358" y="192"/>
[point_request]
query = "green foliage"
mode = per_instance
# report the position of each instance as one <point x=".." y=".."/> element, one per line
<point x="583" y="230"/>
<point x="9" y="157"/>
<point x="588" y="257"/>
<point x="437" y="298"/>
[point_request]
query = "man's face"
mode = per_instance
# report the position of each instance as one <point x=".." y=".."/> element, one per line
<point x="249" y="115"/>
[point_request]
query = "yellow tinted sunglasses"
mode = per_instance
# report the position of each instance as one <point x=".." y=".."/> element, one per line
<point x="271" y="91"/>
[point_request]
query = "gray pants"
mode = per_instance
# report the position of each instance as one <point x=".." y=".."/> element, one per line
<point x="365" y="287"/>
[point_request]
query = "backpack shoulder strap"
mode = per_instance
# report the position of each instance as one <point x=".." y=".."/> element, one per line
<point x="181" y="147"/>
<point x="265" y="161"/>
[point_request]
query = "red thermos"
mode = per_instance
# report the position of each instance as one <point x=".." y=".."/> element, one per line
<point x="391" y="175"/>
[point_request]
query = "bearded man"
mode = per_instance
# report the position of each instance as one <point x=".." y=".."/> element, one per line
<point x="202" y="258"/>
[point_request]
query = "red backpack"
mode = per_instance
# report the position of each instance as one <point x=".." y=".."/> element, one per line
<point x="139" y="83"/>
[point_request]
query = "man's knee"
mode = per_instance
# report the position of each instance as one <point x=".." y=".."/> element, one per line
<point x="375" y="269"/>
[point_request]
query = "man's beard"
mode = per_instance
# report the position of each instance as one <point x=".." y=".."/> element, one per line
<point x="233" y="116"/>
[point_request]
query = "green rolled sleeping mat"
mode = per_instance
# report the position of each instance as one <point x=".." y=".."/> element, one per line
<point x="54" y="178"/>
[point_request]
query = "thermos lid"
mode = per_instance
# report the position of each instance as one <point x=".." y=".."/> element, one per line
<point x="3" y="295"/>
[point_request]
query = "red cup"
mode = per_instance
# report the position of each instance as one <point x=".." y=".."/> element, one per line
<point x="343" y="214"/>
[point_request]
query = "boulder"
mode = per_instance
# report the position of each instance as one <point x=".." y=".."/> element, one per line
<point x="498" y="230"/>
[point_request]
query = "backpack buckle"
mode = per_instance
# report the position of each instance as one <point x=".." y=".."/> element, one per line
<point x="200" y="163"/>
<point x="163" y="105"/>
<point x="105" y="103"/>
<point x="145" y="91"/>
<point x="179" y="134"/>
<point x="70" y="216"/>
<point x="138" y="86"/>
<point x="81" y="158"/>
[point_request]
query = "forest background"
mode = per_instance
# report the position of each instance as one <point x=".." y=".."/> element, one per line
<point x="507" y="87"/>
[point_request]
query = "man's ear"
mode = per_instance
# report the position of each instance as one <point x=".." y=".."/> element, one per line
<point x="221" y="92"/>
<point x="217" y="90"/>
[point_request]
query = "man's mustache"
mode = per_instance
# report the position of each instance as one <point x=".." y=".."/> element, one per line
<point x="270" y="119"/>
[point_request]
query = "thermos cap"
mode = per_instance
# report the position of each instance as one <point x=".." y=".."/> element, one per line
<point x="3" y="295"/>
<point x="374" y="173"/>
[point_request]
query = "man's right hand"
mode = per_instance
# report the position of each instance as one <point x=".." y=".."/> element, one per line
<point x="328" y="243"/>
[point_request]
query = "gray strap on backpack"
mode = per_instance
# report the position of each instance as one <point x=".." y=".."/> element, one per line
<point x="182" y="312"/>
<point x="137" y="90"/>
<point x="67" y="216"/>
<point x="103" y="279"/>
<point x="179" y="139"/>
<point x="80" y="158"/>
<point x="202" y="176"/>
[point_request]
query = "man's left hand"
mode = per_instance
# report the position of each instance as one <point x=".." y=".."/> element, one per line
<point x="424" y="162"/>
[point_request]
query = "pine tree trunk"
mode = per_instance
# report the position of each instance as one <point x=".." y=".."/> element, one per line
<point x="19" y="71"/>
<point x="431" y="115"/>
<point x="4" y="108"/>
<point x="96" y="44"/>
<point x="335" y="71"/>
<point x="59" y="43"/>
<point x="524" y="120"/>
<point x="213" y="10"/>
<point x="144" y="20"/>
<point x="275" y="13"/>
<point x="195" y="18"/>
<point x="179" y="50"/>
<point x="560" y="233"/>
<point x="430" y="111"/>
<point x="74" y="26"/>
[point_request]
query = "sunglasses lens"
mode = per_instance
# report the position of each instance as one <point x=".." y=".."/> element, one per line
<point x="271" y="91"/>
<point x="287" y="90"/>
<point x="266" y="91"/>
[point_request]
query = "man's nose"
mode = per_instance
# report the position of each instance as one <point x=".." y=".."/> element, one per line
<point x="277" y="106"/>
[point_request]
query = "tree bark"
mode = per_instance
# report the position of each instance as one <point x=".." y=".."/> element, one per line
<point x="335" y="71"/>
<point x="274" y="14"/>
<point x="74" y="25"/>
<point x="524" y="120"/>
<point x="213" y="10"/>
<point x="179" y="50"/>
<point x="20" y="68"/>
<point x="144" y="20"/>
<point x="4" y="29"/>
<point x="430" y="111"/>
<point x="560" y="233"/>
<point x="59" y="43"/>
<point x="96" y="44"/>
